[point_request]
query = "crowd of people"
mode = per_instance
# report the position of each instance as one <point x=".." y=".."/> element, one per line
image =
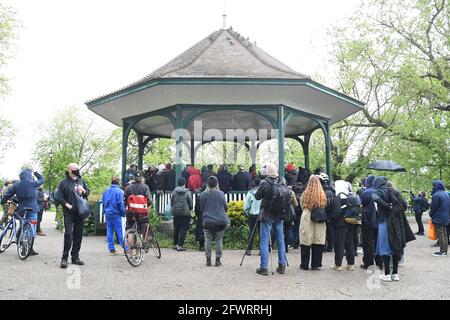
<point x="163" y="177"/>
<point x="302" y="210"/>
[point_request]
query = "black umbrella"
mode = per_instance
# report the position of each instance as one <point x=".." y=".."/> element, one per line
<point x="386" y="165"/>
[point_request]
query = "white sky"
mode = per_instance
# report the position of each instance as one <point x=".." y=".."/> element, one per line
<point x="71" y="51"/>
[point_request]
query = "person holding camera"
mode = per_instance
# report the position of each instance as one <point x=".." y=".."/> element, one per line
<point x="420" y="205"/>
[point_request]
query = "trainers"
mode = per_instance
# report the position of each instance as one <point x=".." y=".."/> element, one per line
<point x="113" y="253"/>
<point x="336" y="268"/>
<point x="395" y="277"/>
<point x="281" y="269"/>
<point x="180" y="248"/>
<point x="440" y="254"/>
<point x="174" y="247"/>
<point x="386" y="278"/>
<point x="350" y="267"/>
<point x="262" y="271"/>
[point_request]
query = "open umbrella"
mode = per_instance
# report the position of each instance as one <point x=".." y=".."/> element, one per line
<point x="386" y="165"/>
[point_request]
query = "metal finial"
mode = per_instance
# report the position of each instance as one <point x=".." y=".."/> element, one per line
<point x="224" y="15"/>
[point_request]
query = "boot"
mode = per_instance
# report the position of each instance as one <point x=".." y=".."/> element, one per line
<point x="218" y="263"/>
<point x="33" y="253"/>
<point x="208" y="261"/>
<point x="281" y="269"/>
<point x="262" y="271"/>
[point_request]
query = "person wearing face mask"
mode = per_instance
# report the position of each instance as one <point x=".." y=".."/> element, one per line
<point x="73" y="223"/>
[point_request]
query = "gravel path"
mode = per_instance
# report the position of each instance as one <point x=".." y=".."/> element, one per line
<point x="183" y="275"/>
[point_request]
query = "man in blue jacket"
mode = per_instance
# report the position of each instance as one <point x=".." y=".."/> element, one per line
<point x="26" y="192"/>
<point x="439" y="213"/>
<point x="369" y="226"/>
<point x="114" y="210"/>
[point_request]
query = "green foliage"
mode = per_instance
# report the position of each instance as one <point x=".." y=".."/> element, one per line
<point x="393" y="56"/>
<point x="72" y="135"/>
<point x="9" y="27"/>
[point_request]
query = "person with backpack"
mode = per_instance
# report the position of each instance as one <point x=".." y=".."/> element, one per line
<point x="420" y="205"/>
<point x="73" y="222"/>
<point x="344" y="225"/>
<point x="369" y="227"/>
<point x="252" y="208"/>
<point x="275" y="204"/>
<point x="213" y="207"/>
<point x="181" y="203"/>
<point x="113" y="207"/>
<point x="138" y="200"/>
<point x="313" y="228"/>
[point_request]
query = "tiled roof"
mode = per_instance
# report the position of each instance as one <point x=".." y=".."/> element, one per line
<point x="223" y="54"/>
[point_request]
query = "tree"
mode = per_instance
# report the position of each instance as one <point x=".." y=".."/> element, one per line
<point x="73" y="136"/>
<point x="394" y="56"/>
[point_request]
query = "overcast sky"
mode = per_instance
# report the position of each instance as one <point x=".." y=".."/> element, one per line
<point x="70" y="51"/>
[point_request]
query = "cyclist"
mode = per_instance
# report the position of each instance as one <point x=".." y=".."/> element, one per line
<point x="138" y="199"/>
<point x="26" y="192"/>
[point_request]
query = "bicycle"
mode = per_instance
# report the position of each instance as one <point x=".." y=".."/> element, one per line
<point x="22" y="234"/>
<point x="136" y="243"/>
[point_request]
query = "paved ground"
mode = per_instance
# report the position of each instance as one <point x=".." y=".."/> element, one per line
<point x="184" y="276"/>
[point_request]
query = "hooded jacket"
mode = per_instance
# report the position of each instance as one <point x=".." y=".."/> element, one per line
<point x="369" y="213"/>
<point x="420" y="203"/>
<point x="112" y="200"/>
<point x="242" y="181"/>
<point x="381" y="197"/>
<point x="225" y="179"/>
<point x="440" y="204"/>
<point x="181" y="202"/>
<point x="25" y="191"/>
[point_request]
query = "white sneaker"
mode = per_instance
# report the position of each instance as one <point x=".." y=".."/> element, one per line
<point x="360" y="251"/>
<point x="395" y="277"/>
<point x="336" y="268"/>
<point x="350" y="267"/>
<point x="385" y="278"/>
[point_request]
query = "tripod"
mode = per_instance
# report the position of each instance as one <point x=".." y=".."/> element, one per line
<point x="270" y="245"/>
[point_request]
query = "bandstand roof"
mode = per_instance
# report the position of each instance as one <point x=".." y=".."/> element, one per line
<point x="226" y="71"/>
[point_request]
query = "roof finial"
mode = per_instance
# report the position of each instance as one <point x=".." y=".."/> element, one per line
<point x="224" y="15"/>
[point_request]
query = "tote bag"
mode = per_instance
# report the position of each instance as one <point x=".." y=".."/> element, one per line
<point x="432" y="234"/>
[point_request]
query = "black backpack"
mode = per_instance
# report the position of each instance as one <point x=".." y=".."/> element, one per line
<point x="280" y="204"/>
<point x="353" y="206"/>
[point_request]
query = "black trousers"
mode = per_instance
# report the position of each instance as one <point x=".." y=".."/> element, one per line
<point x="252" y="222"/>
<point x="330" y="237"/>
<point x="180" y="229"/>
<point x="305" y="253"/>
<point x="387" y="264"/>
<point x="73" y="235"/>
<point x="369" y="240"/>
<point x="418" y="215"/>
<point x="39" y="220"/>
<point x="344" y="242"/>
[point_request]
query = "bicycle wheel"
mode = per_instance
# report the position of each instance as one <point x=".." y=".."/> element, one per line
<point x="133" y="243"/>
<point x="25" y="243"/>
<point x="7" y="236"/>
<point x="152" y="241"/>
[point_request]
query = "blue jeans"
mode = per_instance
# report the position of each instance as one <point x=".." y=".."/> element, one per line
<point x="114" y="223"/>
<point x="31" y="217"/>
<point x="265" y="228"/>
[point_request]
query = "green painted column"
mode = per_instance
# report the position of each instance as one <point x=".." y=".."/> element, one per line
<point x="141" y="148"/>
<point x="179" y="143"/>
<point x="328" y="148"/>
<point x="281" y="132"/>
<point x="192" y="145"/>
<point x="126" y="128"/>
<point x="306" y="150"/>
